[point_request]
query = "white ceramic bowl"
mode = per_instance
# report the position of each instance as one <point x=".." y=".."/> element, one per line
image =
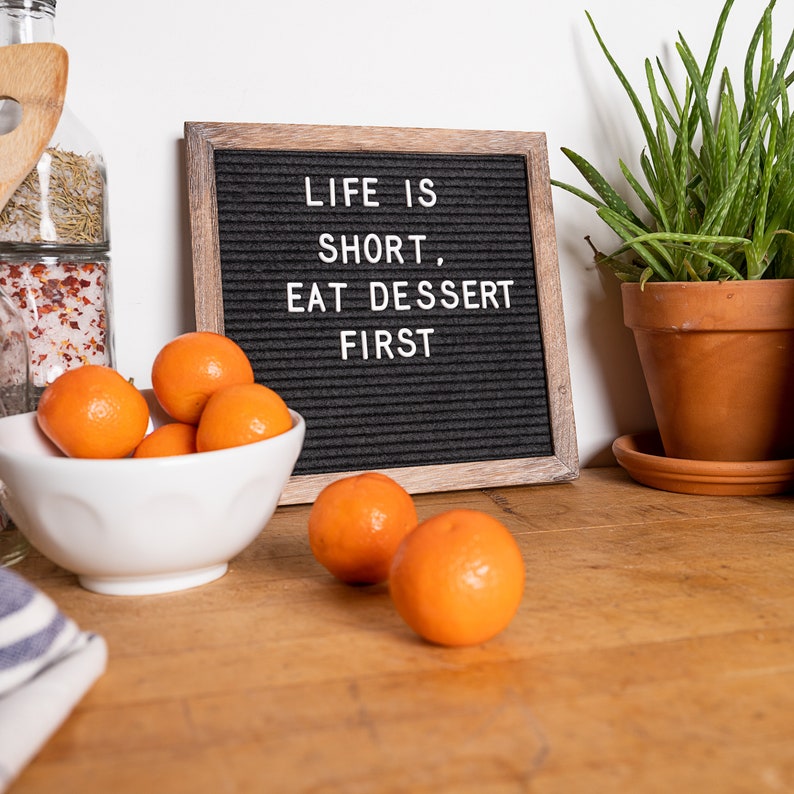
<point x="145" y="525"/>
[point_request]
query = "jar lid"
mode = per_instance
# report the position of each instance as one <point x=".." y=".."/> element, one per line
<point x="34" y="6"/>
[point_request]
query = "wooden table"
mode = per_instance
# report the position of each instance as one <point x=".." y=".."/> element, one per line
<point x="653" y="652"/>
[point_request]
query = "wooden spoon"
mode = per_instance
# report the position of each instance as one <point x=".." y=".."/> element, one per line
<point x="34" y="75"/>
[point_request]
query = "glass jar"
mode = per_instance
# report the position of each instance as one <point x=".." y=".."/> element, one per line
<point x="15" y="398"/>
<point x="54" y="235"/>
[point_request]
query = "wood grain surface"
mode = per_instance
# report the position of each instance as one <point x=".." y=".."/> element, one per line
<point x="653" y="652"/>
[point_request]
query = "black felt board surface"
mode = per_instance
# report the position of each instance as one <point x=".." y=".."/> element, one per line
<point x="444" y="366"/>
<point x="457" y="383"/>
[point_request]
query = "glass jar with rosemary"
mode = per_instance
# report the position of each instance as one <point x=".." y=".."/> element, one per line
<point x="54" y="236"/>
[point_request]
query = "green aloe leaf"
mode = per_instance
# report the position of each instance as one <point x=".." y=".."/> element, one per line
<point x="603" y="189"/>
<point x="634" y="99"/>
<point x="653" y="209"/>
<point x="716" y="183"/>
<point x="701" y="99"/>
<point x="650" y="254"/>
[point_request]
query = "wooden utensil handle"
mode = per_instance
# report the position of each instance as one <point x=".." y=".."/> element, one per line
<point x="34" y="75"/>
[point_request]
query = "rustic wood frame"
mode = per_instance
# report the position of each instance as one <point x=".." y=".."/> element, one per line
<point x="203" y="138"/>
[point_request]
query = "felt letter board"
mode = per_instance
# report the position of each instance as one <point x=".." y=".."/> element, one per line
<point x="399" y="288"/>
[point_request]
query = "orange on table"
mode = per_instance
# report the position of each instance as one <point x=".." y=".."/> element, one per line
<point x="93" y="412"/>
<point x="242" y="414"/>
<point x="356" y="524"/>
<point x="458" y="578"/>
<point x="193" y="366"/>
<point x="175" y="438"/>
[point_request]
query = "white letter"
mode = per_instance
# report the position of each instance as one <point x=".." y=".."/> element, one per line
<point x="394" y="244"/>
<point x="448" y="288"/>
<point x="384" y="291"/>
<point x="400" y="295"/>
<point x="345" y="344"/>
<point x="383" y="343"/>
<point x="467" y="287"/>
<point x="425" y="333"/>
<point x="488" y="294"/>
<point x="368" y="191"/>
<point x="425" y="289"/>
<point x="327" y="242"/>
<point x="348" y="248"/>
<point x="337" y="287"/>
<point x="417" y="238"/>
<point x="408" y="202"/>
<point x="293" y="296"/>
<point x="505" y="285"/>
<point x="404" y="335"/>
<point x="315" y="298"/>
<point x="310" y="202"/>
<point x="425" y="186"/>
<point x="373" y="259"/>
<point x="348" y="189"/>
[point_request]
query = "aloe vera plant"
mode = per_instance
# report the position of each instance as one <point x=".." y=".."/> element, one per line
<point x="716" y="192"/>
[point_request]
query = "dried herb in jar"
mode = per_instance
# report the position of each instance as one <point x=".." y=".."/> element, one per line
<point x="60" y="201"/>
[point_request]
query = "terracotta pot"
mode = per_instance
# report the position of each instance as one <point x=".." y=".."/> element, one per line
<point x="718" y="359"/>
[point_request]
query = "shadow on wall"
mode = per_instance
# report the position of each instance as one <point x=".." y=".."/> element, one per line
<point x="611" y="128"/>
<point x="613" y="348"/>
<point x="611" y="352"/>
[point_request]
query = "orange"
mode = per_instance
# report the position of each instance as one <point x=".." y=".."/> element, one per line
<point x="93" y="412"/>
<point x="237" y="415"/>
<point x="176" y="438"/>
<point x="191" y="367"/>
<point x="356" y="524"/>
<point x="458" y="578"/>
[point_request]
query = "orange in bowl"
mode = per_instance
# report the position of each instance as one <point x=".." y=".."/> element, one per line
<point x="192" y="367"/>
<point x="93" y="412"/>
<point x="174" y="438"/>
<point x="241" y="414"/>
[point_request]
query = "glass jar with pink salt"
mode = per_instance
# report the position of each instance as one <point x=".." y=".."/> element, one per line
<point x="54" y="235"/>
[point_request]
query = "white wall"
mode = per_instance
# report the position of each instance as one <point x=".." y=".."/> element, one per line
<point x="140" y="70"/>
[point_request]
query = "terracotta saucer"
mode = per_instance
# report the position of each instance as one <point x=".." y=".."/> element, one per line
<point x="642" y="456"/>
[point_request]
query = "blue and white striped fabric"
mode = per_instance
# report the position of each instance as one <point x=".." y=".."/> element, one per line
<point x="47" y="664"/>
<point x="33" y="631"/>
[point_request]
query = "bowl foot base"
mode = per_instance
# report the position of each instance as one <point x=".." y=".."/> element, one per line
<point x="150" y="585"/>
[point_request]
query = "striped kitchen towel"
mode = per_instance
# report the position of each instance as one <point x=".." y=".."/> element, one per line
<point x="46" y="666"/>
